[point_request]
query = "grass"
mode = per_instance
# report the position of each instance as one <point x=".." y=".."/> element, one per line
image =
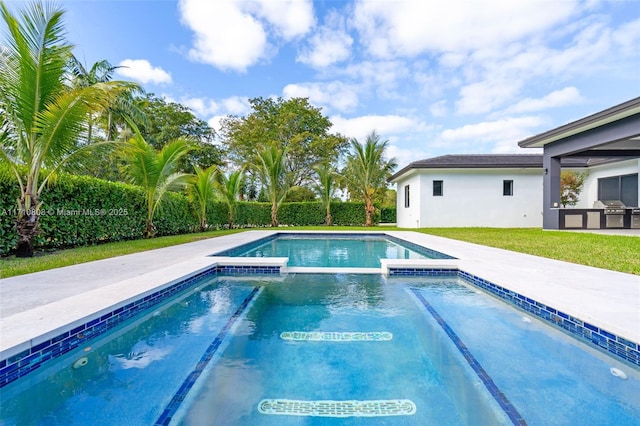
<point x="613" y="252"/>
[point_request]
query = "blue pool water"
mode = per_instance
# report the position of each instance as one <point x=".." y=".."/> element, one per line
<point x="362" y="251"/>
<point x="221" y="373"/>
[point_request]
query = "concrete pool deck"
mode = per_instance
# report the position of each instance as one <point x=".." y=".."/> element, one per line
<point x="36" y="306"/>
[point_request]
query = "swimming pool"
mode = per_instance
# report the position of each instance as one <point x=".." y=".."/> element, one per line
<point x="330" y="250"/>
<point x="267" y="350"/>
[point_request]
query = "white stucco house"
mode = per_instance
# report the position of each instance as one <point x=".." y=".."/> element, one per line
<point x="470" y="190"/>
<point x="523" y="190"/>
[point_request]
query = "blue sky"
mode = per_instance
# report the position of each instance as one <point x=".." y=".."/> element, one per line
<point x="432" y="77"/>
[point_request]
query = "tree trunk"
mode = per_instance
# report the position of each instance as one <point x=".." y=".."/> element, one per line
<point x="150" y="229"/>
<point x="328" y="218"/>
<point x="368" y="210"/>
<point x="230" y="217"/>
<point x="27" y="225"/>
<point x="274" y="215"/>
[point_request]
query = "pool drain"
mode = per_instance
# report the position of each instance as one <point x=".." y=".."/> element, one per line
<point x="80" y="362"/>
<point x="618" y="373"/>
<point x="329" y="408"/>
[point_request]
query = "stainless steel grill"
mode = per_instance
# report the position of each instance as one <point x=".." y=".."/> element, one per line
<point x="635" y="218"/>
<point x="614" y="211"/>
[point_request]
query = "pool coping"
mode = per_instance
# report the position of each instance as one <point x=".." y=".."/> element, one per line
<point x="619" y="315"/>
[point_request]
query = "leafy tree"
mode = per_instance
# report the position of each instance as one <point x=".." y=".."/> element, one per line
<point x="201" y="192"/>
<point x="168" y="121"/>
<point x="271" y="166"/>
<point x="325" y="187"/>
<point x="154" y="171"/>
<point x="571" y="184"/>
<point x="230" y="187"/>
<point x="299" y="194"/>
<point x="43" y="116"/>
<point x="367" y="171"/>
<point x="293" y="125"/>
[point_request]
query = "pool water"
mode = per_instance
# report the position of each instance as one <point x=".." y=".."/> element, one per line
<point x="363" y="251"/>
<point x="327" y="337"/>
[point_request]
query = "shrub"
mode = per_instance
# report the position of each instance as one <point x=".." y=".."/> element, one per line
<point x="388" y="215"/>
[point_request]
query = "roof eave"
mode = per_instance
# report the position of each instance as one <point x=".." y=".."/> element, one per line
<point x="598" y="119"/>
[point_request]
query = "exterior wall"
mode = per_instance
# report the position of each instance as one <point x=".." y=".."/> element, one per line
<point x="472" y="197"/>
<point x="590" y="190"/>
<point x="408" y="217"/>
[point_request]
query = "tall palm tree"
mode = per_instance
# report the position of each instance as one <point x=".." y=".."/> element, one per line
<point x="325" y="187"/>
<point x="271" y="166"/>
<point x="123" y="106"/>
<point x="154" y="172"/>
<point x="201" y="191"/>
<point x="230" y="188"/>
<point x="100" y="72"/>
<point x="367" y="171"/>
<point x="43" y="116"/>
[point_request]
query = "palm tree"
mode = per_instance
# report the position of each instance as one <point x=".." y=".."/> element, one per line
<point x="271" y="166"/>
<point x="230" y="188"/>
<point x="154" y="171"/>
<point x="43" y="117"/>
<point x="201" y="191"/>
<point x="124" y="106"/>
<point x="325" y="187"/>
<point x="367" y="171"/>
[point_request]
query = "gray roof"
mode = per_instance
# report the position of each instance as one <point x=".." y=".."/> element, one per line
<point x="476" y="161"/>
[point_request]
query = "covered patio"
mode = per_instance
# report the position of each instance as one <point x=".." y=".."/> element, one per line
<point x="608" y="137"/>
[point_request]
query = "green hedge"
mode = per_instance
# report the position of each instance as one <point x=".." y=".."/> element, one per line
<point x="388" y="214"/>
<point x="80" y="210"/>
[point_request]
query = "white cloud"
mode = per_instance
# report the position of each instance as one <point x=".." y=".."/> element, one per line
<point x="201" y="106"/>
<point x="628" y="37"/>
<point x="236" y="105"/>
<point x="485" y="96"/>
<point x="291" y="18"/>
<point x="404" y="156"/>
<point x="214" y="111"/>
<point x="387" y="126"/>
<point x="215" y="122"/>
<point x="501" y="134"/>
<point x="439" y="109"/>
<point x="337" y="95"/>
<point x="141" y="70"/>
<point x="411" y="27"/>
<point x="563" y="97"/>
<point x="330" y="43"/>
<point x="235" y="34"/>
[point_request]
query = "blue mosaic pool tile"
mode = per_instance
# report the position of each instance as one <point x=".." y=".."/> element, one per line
<point x="28" y="360"/>
<point x="429" y="272"/>
<point x="248" y="269"/>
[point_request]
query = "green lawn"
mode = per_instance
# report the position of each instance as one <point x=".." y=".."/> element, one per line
<point x="617" y="253"/>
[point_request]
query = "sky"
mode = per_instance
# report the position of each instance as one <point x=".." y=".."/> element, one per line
<point x="432" y="77"/>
